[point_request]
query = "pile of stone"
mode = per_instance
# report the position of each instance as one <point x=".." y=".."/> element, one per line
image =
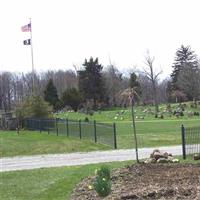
<point x="197" y="156"/>
<point x="161" y="157"/>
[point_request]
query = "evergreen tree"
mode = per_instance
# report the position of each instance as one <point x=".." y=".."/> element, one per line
<point x="185" y="57"/>
<point x="134" y="83"/>
<point x="50" y="94"/>
<point x="91" y="84"/>
<point x="71" y="97"/>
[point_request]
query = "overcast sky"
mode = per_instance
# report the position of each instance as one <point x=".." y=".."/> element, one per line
<point x="65" y="32"/>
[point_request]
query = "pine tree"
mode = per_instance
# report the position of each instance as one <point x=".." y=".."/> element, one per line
<point x="91" y="83"/>
<point x="71" y="97"/>
<point x="185" y="57"/>
<point x="50" y="94"/>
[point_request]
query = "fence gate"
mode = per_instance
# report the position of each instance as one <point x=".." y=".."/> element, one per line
<point x="190" y="140"/>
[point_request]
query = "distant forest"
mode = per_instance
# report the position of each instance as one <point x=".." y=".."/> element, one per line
<point x="101" y="86"/>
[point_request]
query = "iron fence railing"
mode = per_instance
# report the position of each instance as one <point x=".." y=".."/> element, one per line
<point x="190" y="140"/>
<point x="97" y="132"/>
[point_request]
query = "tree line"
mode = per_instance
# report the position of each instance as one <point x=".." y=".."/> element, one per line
<point x="95" y="86"/>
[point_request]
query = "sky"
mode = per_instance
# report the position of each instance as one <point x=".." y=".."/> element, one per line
<point x="65" y="32"/>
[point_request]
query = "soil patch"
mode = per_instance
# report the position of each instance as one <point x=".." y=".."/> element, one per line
<point x="147" y="181"/>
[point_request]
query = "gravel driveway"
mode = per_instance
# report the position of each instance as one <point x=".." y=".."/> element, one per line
<point x="71" y="159"/>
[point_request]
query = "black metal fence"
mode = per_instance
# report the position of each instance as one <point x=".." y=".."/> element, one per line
<point x="190" y="140"/>
<point x="97" y="132"/>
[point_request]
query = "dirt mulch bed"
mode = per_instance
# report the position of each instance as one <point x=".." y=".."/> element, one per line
<point x="148" y="181"/>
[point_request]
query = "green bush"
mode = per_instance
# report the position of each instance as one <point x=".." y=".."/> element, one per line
<point x="104" y="172"/>
<point x="33" y="107"/>
<point x="86" y="119"/>
<point x="71" y="97"/>
<point x="102" y="186"/>
<point x="102" y="183"/>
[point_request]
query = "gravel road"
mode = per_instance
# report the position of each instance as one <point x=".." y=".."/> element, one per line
<point x="71" y="159"/>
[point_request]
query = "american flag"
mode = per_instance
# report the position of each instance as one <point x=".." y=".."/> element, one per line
<point x="26" y="28"/>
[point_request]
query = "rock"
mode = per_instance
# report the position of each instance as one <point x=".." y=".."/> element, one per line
<point x="152" y="194"/>
<point x="197" y="156"/>
<point x="162" y="160"/>
<point x="150" y="160"/>
<point x="170" y="158"/>
<point x="155" y="150"/>
<point x="158" y="155"/>
<point x="175" y="160"/>
<point x="165" y="155"/>
<point x="129" y="196"/>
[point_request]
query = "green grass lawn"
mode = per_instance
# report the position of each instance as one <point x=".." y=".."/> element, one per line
<point x="151" y="131"/>
<point x="45" y="184"/>
<point x="124" y="114"/>
<point x="48" y="183"/>
<point x="30" y="143"/>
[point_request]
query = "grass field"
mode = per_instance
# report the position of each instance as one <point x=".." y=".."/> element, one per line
<point x="142" y="113"/>
<point x="151" y="131"/>
<point x="30" y="143"/>
<point x="49" y="183"/>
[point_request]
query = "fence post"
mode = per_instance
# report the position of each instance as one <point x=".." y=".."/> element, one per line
<point x="56" y="127"/>
<point x="25" y="123"/>
<point x="48" y="125"/>
<point x="183" y="141"/>
<point x="95" y="132"/>
<point x="114" y="134"/>
<point x="67" y="127"/>
<point x="17" y="126"/>
<point x="40" y="125"/>
<point x="80" y="129"/>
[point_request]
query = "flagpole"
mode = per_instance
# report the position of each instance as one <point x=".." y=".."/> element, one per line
<point x="33" y="71"/>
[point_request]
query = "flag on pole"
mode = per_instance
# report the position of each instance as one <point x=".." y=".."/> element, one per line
<point x="26" y="28"/>
<point x="27" y="42"/>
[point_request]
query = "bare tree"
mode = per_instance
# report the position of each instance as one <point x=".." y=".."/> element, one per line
<point x="113" y="83"/>
<point x="129" y="94"/>
<point x="6" y="91"/>
<point x="153" y="77"/>
<point x="146" y="89"/>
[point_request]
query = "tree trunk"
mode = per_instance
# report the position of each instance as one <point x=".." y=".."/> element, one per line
<point x="134" y="130"/>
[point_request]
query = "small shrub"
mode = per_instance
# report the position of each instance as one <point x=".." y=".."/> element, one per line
<point x="192" y="105"/>
<point x="102" y="183"/>
<point x="104" y="172"/>
<point x="185" y="105"/>
<point x="181" y="114"/>
<point x="102" y="186"/>
<point x="196" y="113"/>
<point x="91" y="112"/>
<point x="86" y="119"/>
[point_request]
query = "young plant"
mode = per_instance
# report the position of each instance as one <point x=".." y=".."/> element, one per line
<point x="102" y="183"/>
<point x="104" y="172"/>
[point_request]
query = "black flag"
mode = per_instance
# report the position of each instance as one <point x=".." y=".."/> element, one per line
<point x="27" y="42"/>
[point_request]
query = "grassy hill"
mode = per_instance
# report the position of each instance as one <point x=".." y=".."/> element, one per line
<point x="151" y="131"/>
